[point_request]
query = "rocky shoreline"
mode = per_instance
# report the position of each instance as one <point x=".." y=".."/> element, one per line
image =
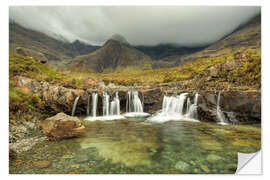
<point x="238" y="106"/>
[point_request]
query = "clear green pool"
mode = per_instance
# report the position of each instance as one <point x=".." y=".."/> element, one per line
<point x="133" y="146"/>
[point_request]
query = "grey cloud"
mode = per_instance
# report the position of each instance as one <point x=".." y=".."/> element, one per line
<point x="140" y="25"/>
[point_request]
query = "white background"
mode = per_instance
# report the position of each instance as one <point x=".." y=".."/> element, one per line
<point x="4" y="82"/>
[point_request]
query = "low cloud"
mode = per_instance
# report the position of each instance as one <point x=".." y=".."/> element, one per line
<point x="140" y="25"/>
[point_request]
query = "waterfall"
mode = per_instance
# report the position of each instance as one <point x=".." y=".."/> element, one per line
<point x="134" y="103"/>
<point x="94" y="104"/>
<point x="88" y="106"/>
<point x="129" y="101"/>
<point x="173" y="109"/>
<point x="172" y="105"/>
<point x="188" y="105"/>
<point x="196" y="99"/>
<point x="75" y="105"/>
<point x="192" y="112"/>
<point x="134" y="106"/>
<point x="111" y="110"/>
<point x="137" y="102"/>
<point x="220" y="115"/>
<point x="142" y="100"/>
<point x="115" y="105"/>
<point x="106" y="104"/>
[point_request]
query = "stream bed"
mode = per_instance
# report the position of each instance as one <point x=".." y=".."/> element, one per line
<point x="135" y="146"/>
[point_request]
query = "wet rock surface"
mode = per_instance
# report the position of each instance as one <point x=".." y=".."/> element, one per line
<point x="238" y="106"/>
<point x="62" y="126"/>
<point x="24" y="145"/>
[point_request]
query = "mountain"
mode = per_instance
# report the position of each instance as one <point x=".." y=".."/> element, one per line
<point x="53" y="49"/>
<point x="246" y="36"/>
<point x="165" y="50"/>
<point x="115" y="54"/>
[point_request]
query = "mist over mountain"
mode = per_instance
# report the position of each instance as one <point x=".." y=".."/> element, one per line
<point x="186" y="26"/>
<point x="54" y="49"/>
<point x="119" y="51"/>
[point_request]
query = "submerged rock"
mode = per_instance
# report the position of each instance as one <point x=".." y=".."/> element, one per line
<point x="42" y="164"/>
<point x="62" y="126"/>
<point x="25" y="144"/>
<point x="213" y="158"/>
<point x="181" y="165"/>
<point x="204" y="168"/>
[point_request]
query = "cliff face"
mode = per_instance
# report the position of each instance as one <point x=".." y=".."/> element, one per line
<point x="238" y="106"/>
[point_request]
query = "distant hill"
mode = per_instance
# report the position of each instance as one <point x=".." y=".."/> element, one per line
<point x="165" y="50"/>
<point x="247" y="36"/>
<point x="53" y="49"/>
<point x="115" y="54"/>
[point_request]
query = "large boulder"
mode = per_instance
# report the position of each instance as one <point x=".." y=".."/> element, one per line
<point x="62" y="126"/>
<point x="31" y="53"/>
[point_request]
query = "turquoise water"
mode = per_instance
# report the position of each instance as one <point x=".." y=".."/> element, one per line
<point x="133" y="146"/>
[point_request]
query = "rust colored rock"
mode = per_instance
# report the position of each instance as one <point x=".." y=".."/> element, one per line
<point x="41" y="164"/>
<point x="31" y="53"/>
<point x="62" y="126"/>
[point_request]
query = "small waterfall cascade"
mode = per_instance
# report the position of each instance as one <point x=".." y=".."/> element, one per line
<point x="115" y="105"/>
<point x="192" y="112"/>
<point x="129" y="101"/>
<point x="134" y="105"/>
<point x="106" y="104"/>
<point x="111" y="109"/>
<point x="94" y="104"/>
<point x="75" y="105"/>
<point x="173" y="108"/>
<point x="188" y="104"/>
<point x="88" y="106"/>
<point x="174" y="105"/>
<point x="220" y="114"/>
<point x="137" y="104"/>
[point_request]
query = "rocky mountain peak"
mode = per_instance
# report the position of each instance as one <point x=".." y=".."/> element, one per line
<point x="119" y="38"/>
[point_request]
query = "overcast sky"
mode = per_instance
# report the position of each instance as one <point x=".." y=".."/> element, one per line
<point x="186" y="26"/>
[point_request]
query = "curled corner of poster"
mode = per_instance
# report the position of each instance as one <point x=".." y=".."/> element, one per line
<point x="249" y="164"/>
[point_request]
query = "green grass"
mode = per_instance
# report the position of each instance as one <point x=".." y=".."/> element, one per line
<point x="28" y="67"/>
<point x="195" y="74"/>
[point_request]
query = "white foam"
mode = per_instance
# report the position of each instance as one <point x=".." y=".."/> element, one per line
<point x="104" y="118"/>
<point x="164" y="117"/>
<point x="136" y="114"/>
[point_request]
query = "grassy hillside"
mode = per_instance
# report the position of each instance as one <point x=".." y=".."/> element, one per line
<point x="233" y="72"/>
<point x="55" y="50"/>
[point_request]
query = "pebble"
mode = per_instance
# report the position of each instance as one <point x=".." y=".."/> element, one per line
<point x="42" y="164"/>
<point x="205" y="168"/>
<point x="213" y="158"/>
<point x="181" y="165"/>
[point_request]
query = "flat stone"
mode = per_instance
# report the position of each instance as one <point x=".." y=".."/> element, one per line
<point x="205" y="168"/>
<point x="67" y="156"/>
<point x="181" y="165"/>
<point x="213" y="158"/>
<point x="76" y="166"/>
<point x="42" y="164"/>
